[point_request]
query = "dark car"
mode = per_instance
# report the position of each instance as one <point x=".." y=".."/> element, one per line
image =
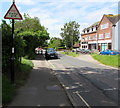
<point x="109" y="52"/>
<point x="51" y="53"/>
<point x="88" y="51"/>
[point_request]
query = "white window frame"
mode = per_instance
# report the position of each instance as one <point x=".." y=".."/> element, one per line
<point x="107" y="35"/>
<point x="101" y="36"/>
<point x="104" y="26"/>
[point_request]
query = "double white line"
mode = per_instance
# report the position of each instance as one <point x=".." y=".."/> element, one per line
<point x="77" y="92"/>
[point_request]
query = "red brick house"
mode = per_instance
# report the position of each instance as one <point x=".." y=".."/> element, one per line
<point x="102" y="37"/>
<point x="104" y="33"/>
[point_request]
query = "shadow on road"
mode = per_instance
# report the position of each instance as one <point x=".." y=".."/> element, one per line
<point x="105" y="80"/>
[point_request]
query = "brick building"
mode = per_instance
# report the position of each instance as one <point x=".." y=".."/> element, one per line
<point x="89" y="37"/>
<point x="102" y="37"/>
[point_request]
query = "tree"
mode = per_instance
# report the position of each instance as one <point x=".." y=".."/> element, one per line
<point x="55" y="42"/>
<point x="7" y="46"/>
<point x="70" y="33"/>
<point x="33" y="34"/>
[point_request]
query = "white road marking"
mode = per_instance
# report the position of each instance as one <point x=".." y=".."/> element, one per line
<point x="110" y="89"/>
<point x="82" y="99"/>
<point x="38" y="105"/>
<point x="51" y="64"/>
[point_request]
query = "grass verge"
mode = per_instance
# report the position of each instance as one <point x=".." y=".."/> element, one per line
<point x="73" y="54"/>
<point x="23" y="71"/>
<point x="111" y="60"/>
<point x="8" y="89"/>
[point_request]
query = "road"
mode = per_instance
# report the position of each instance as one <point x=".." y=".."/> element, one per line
<point x="87" y="84"/>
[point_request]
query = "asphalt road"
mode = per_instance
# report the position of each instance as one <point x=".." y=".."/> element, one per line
<point x="87" y="84"/>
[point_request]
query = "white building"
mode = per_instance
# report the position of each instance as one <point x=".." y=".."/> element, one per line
<point x="116" y="34"/>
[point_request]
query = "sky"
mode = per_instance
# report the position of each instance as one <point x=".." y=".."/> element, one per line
<point x="53" y="14"/>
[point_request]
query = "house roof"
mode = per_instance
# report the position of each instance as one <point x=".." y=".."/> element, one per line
<point x="76" y="45"/>
<point x="113" y="18"/>
<point x="93" y="25"/>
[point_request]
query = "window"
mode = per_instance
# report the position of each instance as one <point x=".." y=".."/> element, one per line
<point x="101" y="36"/>
<point x="92" y="28"/>
<point x="104" y="26"/>
<point x="107" y="35"/>
<point x="96" y="27"/>
<point x="86" y="38"/>
<point x="87" y="30"/>
<point x="94" y="37"/>
<point x="90" y="37"/>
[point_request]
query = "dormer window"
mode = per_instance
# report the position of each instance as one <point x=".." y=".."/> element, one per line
<point x="96" y="27"/>
<point x="92" y="28"/>
<point x="87" y="30"/>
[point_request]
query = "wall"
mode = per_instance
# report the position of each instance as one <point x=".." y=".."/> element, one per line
<point x="116" y="36"/>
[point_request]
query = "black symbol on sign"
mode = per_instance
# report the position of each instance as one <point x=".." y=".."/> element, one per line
<point x="13" y="14"/>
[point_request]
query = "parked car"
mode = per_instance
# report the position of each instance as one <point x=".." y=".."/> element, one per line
<point x="88" y="51"/>
<point x="51" y="53"/>
<point x="38" y="50"/>
<point x="109" y="52"/>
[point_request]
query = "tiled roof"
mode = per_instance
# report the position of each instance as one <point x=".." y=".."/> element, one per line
<point x="93" y="25"/>
<point x="113" y="18"/>
<point x="76" y="45"/>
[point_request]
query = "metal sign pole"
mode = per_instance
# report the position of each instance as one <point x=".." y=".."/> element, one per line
<point x="13" y="14"/>
<point x="13" y="56"/>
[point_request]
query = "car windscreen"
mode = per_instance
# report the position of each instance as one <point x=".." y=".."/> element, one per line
<point x="50" y="50"/>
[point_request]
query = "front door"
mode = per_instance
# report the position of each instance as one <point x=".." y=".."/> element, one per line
<point x="104" y="46"/>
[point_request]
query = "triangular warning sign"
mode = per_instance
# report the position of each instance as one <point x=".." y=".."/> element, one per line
<point x="13" y="13"/>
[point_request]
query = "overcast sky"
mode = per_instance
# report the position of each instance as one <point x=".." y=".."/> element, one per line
<point x="53" y="14"/>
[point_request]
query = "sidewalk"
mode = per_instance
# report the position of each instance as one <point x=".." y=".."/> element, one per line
<point x="42" y="88"/>
<point x="88" y="58"/>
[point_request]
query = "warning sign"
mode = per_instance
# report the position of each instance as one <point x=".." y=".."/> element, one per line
<point x="13" y="13"/>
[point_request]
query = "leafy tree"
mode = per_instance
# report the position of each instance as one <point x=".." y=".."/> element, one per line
<point x="33" y="34"/>
<point x="7" y="46"/>
<point x="56" y="42"/>
<point x="70" y="33"/>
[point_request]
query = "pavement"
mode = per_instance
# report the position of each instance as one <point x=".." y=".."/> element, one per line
<point x="42" y="88"/>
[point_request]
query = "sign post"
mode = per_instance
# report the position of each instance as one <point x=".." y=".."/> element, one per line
<point x="13" y="14"/>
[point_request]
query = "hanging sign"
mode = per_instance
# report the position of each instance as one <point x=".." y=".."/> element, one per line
<point x="13" y="13"/>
